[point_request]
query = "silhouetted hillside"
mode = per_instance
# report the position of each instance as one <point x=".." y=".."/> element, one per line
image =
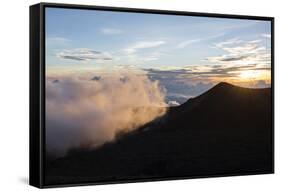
<point x="225" y="131"/>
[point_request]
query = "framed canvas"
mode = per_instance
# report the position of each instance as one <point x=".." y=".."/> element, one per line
<point x="122" y="95"/>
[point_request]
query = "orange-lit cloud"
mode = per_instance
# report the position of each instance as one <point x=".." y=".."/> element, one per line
<point x="85" y="112"/>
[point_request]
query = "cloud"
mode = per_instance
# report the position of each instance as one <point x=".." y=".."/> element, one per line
<point x="173" y="103"/>
<point x="233" y="58"/>
<point x="148" y="59"/>
<point x="241" y="52"/>
<point x="56" y="81"/>
<point x="96" y="78"/>
<point x="266" y="35"/>
<point x="111" y="31"/>
<point x="143" y="45"/>
<point x="84" y="54"/>
<point x="261" y="84"/>
<point x="227" y="58"/>
<point x="228" y="42"/>
<point x="81" y="112"/>
<point x="188" y="42"/>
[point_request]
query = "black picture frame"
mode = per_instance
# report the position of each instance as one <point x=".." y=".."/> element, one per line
<point x="37" y="88"/>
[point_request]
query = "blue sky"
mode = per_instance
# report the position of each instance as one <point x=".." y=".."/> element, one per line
<point x="92" y="39"/>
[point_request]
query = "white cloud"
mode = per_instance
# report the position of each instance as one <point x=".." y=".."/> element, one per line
<point x="148" y="59"/>
<point x="143" y="45"/>
<point x="111" y="31"/>
<point x="188" y="42"/>
<point x="84" y="54"/>
<point x="173" y="103"/>
<point x="228" y="42"/>
<point x="241" y="52"/>
<point x="266" y="35"/>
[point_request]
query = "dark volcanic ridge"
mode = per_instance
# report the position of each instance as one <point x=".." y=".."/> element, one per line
<point x="226" y="130"/>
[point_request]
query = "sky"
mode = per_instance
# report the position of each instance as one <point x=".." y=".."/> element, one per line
<point x="186" y="54"/>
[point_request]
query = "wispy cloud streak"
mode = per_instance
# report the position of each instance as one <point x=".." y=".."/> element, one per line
<point x="143" y="45"/>
<point x="111" y="31"/>
<point x="84" y="54"/>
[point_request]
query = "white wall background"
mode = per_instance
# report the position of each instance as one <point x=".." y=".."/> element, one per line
<point x="14" y="88"/>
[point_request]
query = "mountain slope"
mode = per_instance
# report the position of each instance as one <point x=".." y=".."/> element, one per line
<point x="226" y="130"/>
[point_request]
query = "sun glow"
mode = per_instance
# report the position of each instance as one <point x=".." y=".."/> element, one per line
<point x="254" y="75"/>
<point x="249" y="74"/>
<point x="245" y="78"/>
